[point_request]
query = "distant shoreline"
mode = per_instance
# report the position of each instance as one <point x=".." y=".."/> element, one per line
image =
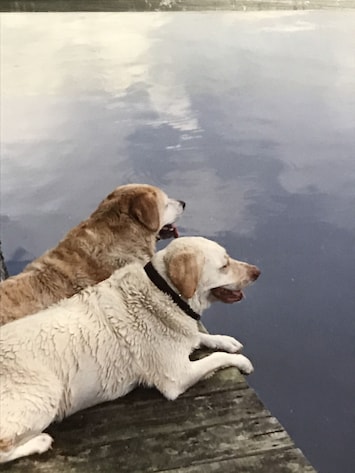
<point x="170" y="5"/>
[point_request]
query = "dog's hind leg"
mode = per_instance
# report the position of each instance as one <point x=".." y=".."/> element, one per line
<point x="191" y="372"/>
<point x="26" y="410"/>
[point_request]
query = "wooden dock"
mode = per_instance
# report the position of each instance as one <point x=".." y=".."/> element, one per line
<point x="219" y="425"/>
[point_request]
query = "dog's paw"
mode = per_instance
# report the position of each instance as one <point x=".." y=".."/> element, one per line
<point x="244" y="364"/>
<point x="38" y="444"/>
<point x="228" y="344"/>
<point x="41" y="443"/>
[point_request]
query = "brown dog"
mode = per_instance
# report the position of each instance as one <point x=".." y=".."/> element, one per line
<point x="123" y="229"/>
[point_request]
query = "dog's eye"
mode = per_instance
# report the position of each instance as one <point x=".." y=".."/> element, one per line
<point x="226" y="264"/>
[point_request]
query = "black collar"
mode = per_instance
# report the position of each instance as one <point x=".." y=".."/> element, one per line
<point x="161" y="284"/>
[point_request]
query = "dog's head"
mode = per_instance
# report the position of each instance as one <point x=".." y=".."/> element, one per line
<point x="201" y="271"/>
<point x="147" y="205"/>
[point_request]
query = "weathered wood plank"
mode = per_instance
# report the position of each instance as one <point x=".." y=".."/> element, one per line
<point x="150" y="419"/>
<point x="170" y="5"/>
<point x="277" y="461"/>
<point x="158" y="452"/>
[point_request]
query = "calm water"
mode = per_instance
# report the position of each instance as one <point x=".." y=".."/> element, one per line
<point x="250" y="118"/>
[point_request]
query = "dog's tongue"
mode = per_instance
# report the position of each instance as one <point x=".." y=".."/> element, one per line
<point x="169" y="231"/>
<point x="226" y="295"/>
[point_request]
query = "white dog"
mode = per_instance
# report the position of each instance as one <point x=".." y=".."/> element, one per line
<point x="137" y="327"/>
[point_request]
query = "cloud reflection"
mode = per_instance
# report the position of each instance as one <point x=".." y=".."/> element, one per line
<point x="227" y="111"/>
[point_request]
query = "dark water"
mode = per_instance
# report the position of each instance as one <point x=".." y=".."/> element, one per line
<point x="250" y="118"/>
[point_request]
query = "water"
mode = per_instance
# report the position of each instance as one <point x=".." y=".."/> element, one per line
<point x="249" y="118"/>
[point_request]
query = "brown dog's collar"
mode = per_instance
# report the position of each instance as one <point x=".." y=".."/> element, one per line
<point x="161" y="284"/>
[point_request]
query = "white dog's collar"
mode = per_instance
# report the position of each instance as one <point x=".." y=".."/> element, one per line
<point x="161" y="284"/>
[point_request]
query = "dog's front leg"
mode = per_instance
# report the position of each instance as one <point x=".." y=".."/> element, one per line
<point x="193" y="371"/>
<point x="219" y="342"/>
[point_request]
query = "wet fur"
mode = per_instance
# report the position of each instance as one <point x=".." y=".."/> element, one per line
<point x="122" y="230"/>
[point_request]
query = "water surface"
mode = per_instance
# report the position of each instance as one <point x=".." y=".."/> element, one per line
<point x="249" y="118"/>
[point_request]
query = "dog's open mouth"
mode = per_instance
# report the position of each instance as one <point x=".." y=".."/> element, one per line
<point x="227" y="295"/>
<point x="168" y="231"/>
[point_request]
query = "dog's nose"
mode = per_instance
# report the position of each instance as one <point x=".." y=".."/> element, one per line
<point x="254" y="273"/>
<point x="183" y="204"/>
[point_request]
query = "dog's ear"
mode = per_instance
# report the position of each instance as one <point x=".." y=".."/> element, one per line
<point x="184" y="270"/>
<point x="144" y="207"/>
